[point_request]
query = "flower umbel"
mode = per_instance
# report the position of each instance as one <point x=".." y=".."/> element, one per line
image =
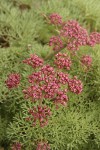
<point x="63" y="61"/>
<point x="63" y="78"/>
<point x="41" y="114"/>
<point x="74" y="34"/>
<point x="86" y="60"/>
<point x="34" y="92"/>
<point x="94" y="39"/>
<point x="61" y="98"/>
<point x="56" y="43"/>
<point x="55" y="19"/>
<point x="13" y="80"/>
<point x="43" y="146"/>
<point x="16" y="146"/>
<point x="34" y="61"/>
<point x="75" y="85"/>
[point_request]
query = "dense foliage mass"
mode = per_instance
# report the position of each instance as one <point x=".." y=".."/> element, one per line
<point x="50" y="75"/>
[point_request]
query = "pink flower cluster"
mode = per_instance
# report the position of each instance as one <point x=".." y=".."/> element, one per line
<point x="42" y="75"/>
<point x="16" y="146"/>
<point x="50" y="89"/>
<point x="72" y="33"/>
<point x="43" y="146"/>
<point x="35" y="77"/>
<point x="76" y="35"/>
<point x="34" y="92"/>
<point x="48" y="84"/>
<point x="86" y="60"/>
<point x="61" y="98"/>
<point x="56" y="43"/>
<point x="75" y="85"/>
<point x="40" y="113"/>
<point x="94" y="38"/>
<point x="62" y="77"/>
<point x="55" y="19"/>
<point x="13" y="80"/>
<point x="34" y="61"/>
<point x="47" y="70"/>
<point x="63" y="61"/>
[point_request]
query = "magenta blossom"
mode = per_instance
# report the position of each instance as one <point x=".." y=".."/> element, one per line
<point x="34" y="92"/>
<point x="35" y="77"/>
<point x="55" y="19"/>
<point x="61" y="98"/>
<point x="41" y="114"/>
<point x="16" y="146"/>
<point x="63" y="78"/>
<point x="13" y="80"/>
<point x="75" y="85"/>
<point x="43" y="146"/>
<point x="75" y="35"/>
<point x="56" y="43"/>
<point x="34" y="61"/>
<point x="86" y="60"/>
<point x="50" y="89"/>
<point x="94" y="39"/>
<point x="63" y="61"/>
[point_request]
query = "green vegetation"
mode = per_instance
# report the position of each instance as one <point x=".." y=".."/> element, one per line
<point x="24" y="31"/>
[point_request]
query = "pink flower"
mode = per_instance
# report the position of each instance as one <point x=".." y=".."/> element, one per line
<point x="56" y="43"/>
<point x="61" y="98"/>
<point x="34" y="92"/>
<point x="73" y="45"/>
<point x="50" y="89"/>
<point x="75" y="35"/>
<point x="63" y="61"/>
<point x="94" y="39"/>
<point x="43" y="146"/>
<point x="75" y="85"/>
<point x="63" y="78"/>
<point x="41" y="114"/>
<point x="34" y="61"/>
<point x="16" y="146"/>
<point x="55" y="19"/>
<point x="13" y="80"/>
<point x="86" y="60"/>
<point x="35" y="77"/>
<point x="47" y="70"/>
<point x="48" y="73"/>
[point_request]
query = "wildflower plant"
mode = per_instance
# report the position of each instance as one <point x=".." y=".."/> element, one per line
<point x="46" y="97"/>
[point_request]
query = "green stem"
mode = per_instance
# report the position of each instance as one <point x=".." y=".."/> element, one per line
<point x="54" y="53"/>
